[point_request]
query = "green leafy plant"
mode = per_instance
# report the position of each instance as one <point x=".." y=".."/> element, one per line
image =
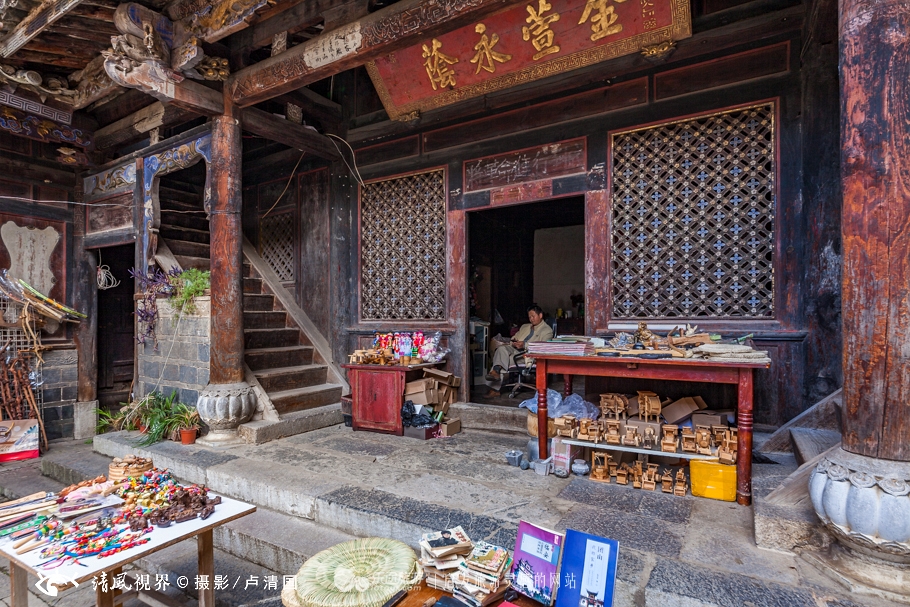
<point x="188" y="285"/>
<point x="186" y="417"/>
<point x="108" y="421"/>
<point x="158" y="418"/>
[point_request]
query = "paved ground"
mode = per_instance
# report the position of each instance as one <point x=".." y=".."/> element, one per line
<point x="681" y="551"/>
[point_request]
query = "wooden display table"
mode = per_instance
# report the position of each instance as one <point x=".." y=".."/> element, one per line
<point x="376" y="395"/>
<point x="72" y="574"/>
<point x="675" y="369"/>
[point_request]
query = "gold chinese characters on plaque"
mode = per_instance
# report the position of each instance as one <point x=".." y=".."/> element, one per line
<point x="527" y="42"/>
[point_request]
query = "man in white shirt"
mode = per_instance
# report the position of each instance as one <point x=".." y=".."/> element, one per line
<point x="503" y="356"/>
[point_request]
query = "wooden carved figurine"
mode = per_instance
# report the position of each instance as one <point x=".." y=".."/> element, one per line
<point x="669" y="442"/>
<point x="734" y="438"/>
<point x="613" y="436"/>
<point x="703" y="440"/>
<point x="726" y="452"/>
<point x="566" y="425"/>
<point x="688" y="441"/>
<point x="718" y="433"/>
<point x="631" y="438"/>
<point x="600" y="466"/>
<point x="649" y="439"/>
<point x="622" y="475"/>
<point x="649" y="405"/>
<point x="637" y="475"/>
<point x="666" y="481"/>
<point x="649" y="478"/>
<point x="613" y="467"/>
<point x="680" y="488"/>
<point x="612" y="404"/>
<point x="585" y="429"/>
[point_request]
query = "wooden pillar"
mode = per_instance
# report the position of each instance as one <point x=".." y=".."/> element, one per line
<point x="875" y="163"/>
<point x="85" y="296"/>
<point x="226" y="365"/>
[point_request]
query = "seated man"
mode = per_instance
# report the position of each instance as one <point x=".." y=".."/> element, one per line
<point x="504" y="356"/>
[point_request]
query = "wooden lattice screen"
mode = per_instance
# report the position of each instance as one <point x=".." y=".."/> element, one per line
<point x="403" y="248"/>
<point x="693" y="214"/>
<point x="276" y="243"/>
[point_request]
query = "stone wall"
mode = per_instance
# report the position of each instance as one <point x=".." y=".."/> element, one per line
<point x="181" y="362"/>
<point x="60" y="379"/>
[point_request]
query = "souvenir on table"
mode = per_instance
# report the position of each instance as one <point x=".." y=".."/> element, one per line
<point x="535" y="562"/>
<point x="590" y="563"/>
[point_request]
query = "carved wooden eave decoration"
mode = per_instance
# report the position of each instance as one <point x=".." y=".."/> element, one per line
<point x="51" y="87"/>
<point x="37" y="20"/>
<point x="23" y="124"/>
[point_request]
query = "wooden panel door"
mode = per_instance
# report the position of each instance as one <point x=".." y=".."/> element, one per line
<point x="377" y="401"/>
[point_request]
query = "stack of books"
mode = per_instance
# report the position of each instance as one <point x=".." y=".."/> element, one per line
<point x="482" y="578"/>
<point x="570" y="347"/>
<point x="441" y="554"/>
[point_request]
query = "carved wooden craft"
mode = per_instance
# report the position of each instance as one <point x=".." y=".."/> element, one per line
<point x="725" y="454"/>
<point x="613" y="404"/>
<point x="666" y="481"/>
<point x="613" y="437"/>
<point x="703" y="440"/>
<point x="669" y="441"/>
<point x="107" y="182"/>
<point x="530" y="41"/>
<point x="588" y="429"/>
<point x="649" y="439"/>
<point x="38" y="128"/>
<point x="688" y="441"/>
<point x="679" y="489"/>
<point x="600" y="466"/>
<point x="714" y="222"/>
<point x="718" y="433"/>
<point x="649" y="405"/>
<point x="631" y="438"/>
<point x="566" y="425"/>
<point x="622" y="475"/>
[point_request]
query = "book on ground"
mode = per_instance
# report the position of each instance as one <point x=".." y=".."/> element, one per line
<point x="535" y="564"/>
<point x="588" y="571"/>
<point x="487" y="558"/>
<point x="446" y="542"/>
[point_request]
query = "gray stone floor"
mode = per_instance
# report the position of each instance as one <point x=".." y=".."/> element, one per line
<point x="683" y="551"/>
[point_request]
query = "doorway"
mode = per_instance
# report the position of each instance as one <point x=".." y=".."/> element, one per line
<point x="519" y="255"/>
<point x="115" y="328"/>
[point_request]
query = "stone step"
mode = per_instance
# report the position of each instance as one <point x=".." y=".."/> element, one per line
<point x="289" y="378"/>
<point x="188" y="248"/>
<point x="810" y="442"/>
<point x="309" y="397"/>
<point x="291" y="424"/>
<point x="267" y="338"/>
<point x="171" y="232"/>
<point x="266" y="358"/>
<point x="186" y="262"/>
<point x="252" y="285"/>
<point x="265" y="319"/>
<point x="253" y="302"/>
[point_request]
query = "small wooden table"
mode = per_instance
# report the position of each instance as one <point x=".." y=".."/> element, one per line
<point x="376" y="395"/>
<point x="23" y="564"/>
<point x="675" y="369"/>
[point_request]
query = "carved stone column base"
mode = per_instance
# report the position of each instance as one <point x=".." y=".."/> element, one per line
<point x="861" y="574"/>
<point x="223" y="407"/>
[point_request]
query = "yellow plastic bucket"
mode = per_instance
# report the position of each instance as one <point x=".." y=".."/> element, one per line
<point x="713" y="480"/>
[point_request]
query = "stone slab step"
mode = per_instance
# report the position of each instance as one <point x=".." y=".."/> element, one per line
<point x="810" y="442"/>
<point x="291" y="424"/>
<point x="266" y="358"/>
<point x="74" y="464"/>
<point x="266" y="338"/>
<point x="289" y="378"/>
<point x="200" y="263"/>
<point x="189" y="248"/>
<point x="258" y="302"/>
<point x="265" y="319"/>
<point x="309" y="397"/>
<point x="252" y="285"/>
<point x="172" y="232"/>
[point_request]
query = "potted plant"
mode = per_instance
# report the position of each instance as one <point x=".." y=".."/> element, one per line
<point x="186" y="420"/>
<point x="158" y="417"/>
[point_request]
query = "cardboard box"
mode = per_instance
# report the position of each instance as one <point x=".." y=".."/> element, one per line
<point x="420" y="433"/>
<point x="709" y="418"/>
<point x="700" y="402"/>
<point x="564" y="454"/>
<point x="450" y="427"/>
<point x="427" y="397"/>
<point x="443" y="377"/>
<point x="679" y="411"/>
<point x="419" y="385"/>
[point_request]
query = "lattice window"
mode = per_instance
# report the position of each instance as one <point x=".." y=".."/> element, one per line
<point x="276" y="243"/>
<point x="403" y="248"/>
<point x="693" y="217"/>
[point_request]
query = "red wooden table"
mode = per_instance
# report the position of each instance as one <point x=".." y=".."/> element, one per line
<point x="376" y="395"/>
<point x="676" y="369"/>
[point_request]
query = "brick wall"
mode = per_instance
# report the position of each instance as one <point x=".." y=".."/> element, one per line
<point x="59" y="376"/>
<point x="181" y="363"/>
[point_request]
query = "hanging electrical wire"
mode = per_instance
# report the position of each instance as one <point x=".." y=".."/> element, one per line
<point x="106" y="280"/>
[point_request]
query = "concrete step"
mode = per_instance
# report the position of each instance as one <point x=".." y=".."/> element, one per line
<point x="200" y="263"/>
<point x="266" y="358"/>
<point x="291" y="424"/>
<point x="188" y="248"/>
<point x="289" y="378"/>
<point x="252" y="285"/>
<point x="309" y="397"/>
<point x="258" y="302"/>
<point x="265" y="319"/>
<point x="270" y="338"/>
<point x="810" y="442"/>
<point x="172" y="232"/>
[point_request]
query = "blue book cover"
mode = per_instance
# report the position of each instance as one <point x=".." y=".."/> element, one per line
<point x="588" y="573"/>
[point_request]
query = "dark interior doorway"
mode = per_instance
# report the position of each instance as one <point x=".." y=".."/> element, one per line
<point x="519" y="255"/>
<point x="115" y="328"/>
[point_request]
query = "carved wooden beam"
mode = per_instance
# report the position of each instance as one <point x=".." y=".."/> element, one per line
<point x="314" y="105"/>
<point x="397" y="26"/>
<point x="137" y="124"/>
<point x="266" y="125"/>
<point x="298" y="16"/>
<point x="40" y="17"/>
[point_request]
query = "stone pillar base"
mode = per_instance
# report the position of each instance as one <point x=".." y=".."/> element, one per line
<point x="85" y="420"/>
<point x="862" y="574"/>
<point x="223" y="407"/>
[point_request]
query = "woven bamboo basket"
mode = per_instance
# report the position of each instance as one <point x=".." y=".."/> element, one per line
<point x="118" y="472"/>
<point x="532" y="426"/>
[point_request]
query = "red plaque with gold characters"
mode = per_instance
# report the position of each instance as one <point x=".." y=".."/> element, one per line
<point x="527" y="42"/>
